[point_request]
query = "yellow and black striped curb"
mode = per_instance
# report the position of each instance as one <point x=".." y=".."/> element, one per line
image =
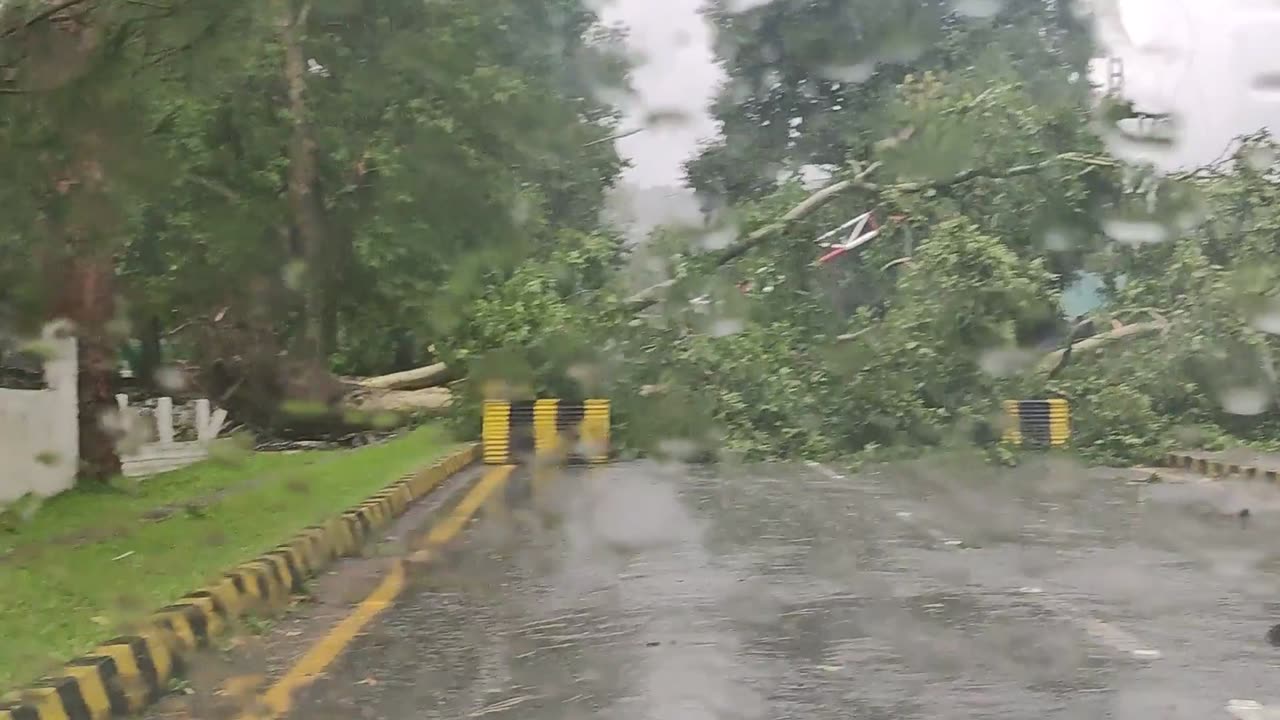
<point x="1218" y="468"/>
<point x="124" y="675"/>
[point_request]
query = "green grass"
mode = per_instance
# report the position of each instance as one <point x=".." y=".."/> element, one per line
<point x="90" y="562"/>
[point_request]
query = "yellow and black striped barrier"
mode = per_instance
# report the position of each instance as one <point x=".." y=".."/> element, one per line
<point x="1037" y="423"/>
<point x="578" y="432"/>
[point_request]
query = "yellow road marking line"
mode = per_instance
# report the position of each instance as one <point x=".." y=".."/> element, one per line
<point x="278" y="700"/>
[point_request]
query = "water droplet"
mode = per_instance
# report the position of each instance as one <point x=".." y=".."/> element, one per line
<point x="303" y="408"/>
<point x="1267" y="317"/>
<point x="1135" y="231"/>
<point x="521" y="210"/>
<point x="171" y="379"/>
<point x="980" y="9"/>
<point x="740" y="6"/>
<point x="593" y="447"/>
<point x="45" y="351"/>
<point x="659" y="118"/>
<point x="718" y="239"/>
<point x="111" y="421"/>
<point x="233" y="450"/>
<point x="853" y="74"/>
<point x="294" y="274"/>
<point x="48" y="457"/>
<point x="1246" y="400"/>
<point x="678" y="449"/>
<point x="727" y="326"/>
<point x="60" y="329"/>
<point x="1060" y="239"/>
<point x="1004" y="362"/>
<point x="1260" y="158"/>
<point x="1267" y="85"/>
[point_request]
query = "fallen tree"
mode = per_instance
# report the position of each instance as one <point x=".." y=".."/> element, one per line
<point x="415" y="379"/>
<point x="1056" y="360"/>
<point x="650" y="295"/>
<point x="433" y="400"/>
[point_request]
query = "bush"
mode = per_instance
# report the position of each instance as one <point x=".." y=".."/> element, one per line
<point x="1119" y="425"/>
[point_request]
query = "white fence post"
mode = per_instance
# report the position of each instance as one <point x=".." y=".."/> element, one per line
<point x="166" y="454"/>
<point x="202" y="417"/>
<point x="164" y="420"/>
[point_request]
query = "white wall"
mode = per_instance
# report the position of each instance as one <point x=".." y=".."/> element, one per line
<point x="39" y="435"/>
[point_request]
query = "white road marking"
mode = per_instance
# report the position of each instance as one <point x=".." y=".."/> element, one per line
<point x="1116" y="638"/>
<point x="1102" y="632"/>
<point x="1252" y="710"/>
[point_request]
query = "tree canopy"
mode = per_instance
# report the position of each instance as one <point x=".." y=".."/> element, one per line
<point x="326" y="178"/>
<point x="280" y="192"/>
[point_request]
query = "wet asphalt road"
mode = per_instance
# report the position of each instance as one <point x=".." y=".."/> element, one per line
<point x="936" y="590"/>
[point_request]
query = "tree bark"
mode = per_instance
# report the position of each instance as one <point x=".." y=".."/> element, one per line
<point x="415" y="379"/>
<point x="1052" y="360"/>
<point x="86" y="297"/>
<point x="303" y="179"/>
<point x="151" y="356"/>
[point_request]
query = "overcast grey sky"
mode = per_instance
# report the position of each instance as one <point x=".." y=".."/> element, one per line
<point x="677" y="72"/>
<point x="1213" y="62"/>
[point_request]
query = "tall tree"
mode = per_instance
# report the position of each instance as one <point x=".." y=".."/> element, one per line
<point x="73" y="75"/>
<point x="807" y="79"/>
<point x="380" y="157"/>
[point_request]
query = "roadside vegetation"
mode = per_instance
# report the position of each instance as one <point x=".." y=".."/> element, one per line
<point x="1000" y="179"/>
<point x="90" y="564"/>
<point x="271" y="195"/>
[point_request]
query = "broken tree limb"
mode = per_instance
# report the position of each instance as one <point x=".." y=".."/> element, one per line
<point x="1090" y="161"/>
<point x="427" y="400"/>
<point x="895" y="263"/>
<point x="1050" y="361"/>
<point x="415" y="379"/>
<point x="615" y="137"/>
<point x="649" y="296"/>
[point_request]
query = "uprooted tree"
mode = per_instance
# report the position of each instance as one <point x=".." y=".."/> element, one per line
<point x="997" y="192"/>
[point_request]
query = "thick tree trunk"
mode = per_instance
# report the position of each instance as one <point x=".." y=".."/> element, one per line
<point x="415" y="379"/>
<point x="86" y="297"/>
<point x="304" y="203"/>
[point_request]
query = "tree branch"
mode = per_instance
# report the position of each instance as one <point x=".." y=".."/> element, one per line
<point x="1092" y="161"/>
<point x="1050" y="361"/>
<point x="617" y="136"/>
<point x="647" y="297"/>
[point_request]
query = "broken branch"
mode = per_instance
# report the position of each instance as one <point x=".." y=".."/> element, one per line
<point x="647" y="297"/>
<point x="414" y="379"/>
<point x="1050" y="361"/>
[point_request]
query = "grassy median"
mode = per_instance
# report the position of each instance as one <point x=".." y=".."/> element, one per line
<point x="89" y="563"/>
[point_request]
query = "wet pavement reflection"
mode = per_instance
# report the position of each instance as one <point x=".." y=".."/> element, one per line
<point x="940" y="589"/>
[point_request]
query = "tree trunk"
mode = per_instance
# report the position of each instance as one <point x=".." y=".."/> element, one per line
<point x="151" y="356"/>
<point x="304" y="203"/>
<point x="86" y="297"/>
